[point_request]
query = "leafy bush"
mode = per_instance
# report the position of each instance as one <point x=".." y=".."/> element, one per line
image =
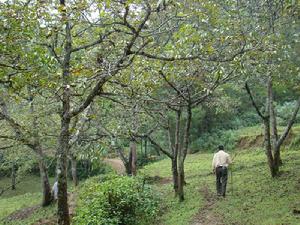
<point x="115" y="201"/>
<point x="284" y="112"/>
<point x="210" y="141"/>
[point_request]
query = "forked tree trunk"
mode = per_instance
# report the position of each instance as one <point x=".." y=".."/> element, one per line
<point x="273" y="127"/>
<point x="272" y="141"/>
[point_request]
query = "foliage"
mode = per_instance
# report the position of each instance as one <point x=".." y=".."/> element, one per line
<point x="210" y="141"/>
<point x="116" y="200"/>
<point x="284" y="112"/>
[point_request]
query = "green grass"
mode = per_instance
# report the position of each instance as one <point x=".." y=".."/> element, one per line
<point x="197" y="165"/>
<point x="259" y="199"/>
<point x="254" y="197"/>
<point x="11" y="204"/>
<point x="28" y="184"/>
<point x="27" y="194"/>
<point x="259" y="130"/>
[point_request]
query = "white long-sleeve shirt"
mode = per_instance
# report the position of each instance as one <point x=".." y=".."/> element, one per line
<point x="221" y="158"/>
<point x="55" y="190"/>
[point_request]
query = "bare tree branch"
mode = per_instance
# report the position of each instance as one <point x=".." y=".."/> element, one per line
<point x="253" y="102"/>
<point x="290" y="124"/>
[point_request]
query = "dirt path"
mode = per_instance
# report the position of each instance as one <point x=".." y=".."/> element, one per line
<point x="23" y="213"/>
<point x="207" y="216"/>
<point x="116" y="164"/>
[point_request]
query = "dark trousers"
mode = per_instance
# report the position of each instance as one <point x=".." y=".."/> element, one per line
<point x="221" y="181"/>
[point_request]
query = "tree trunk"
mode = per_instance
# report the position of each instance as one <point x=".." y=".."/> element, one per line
<point x="74" y="170"/>
<point x="63" y="208"/>
<point x="126" y="162"/>
<point x="267" y="135"/>
<point x="133" y="157"/>
<point x="182" y="154"/>
<point x="175" y="175"/>
<point x="268" y="147"/>
<point x="277" y="160"/>
<point x="64" y="138"/>
<point x="176" y="148"/>
<point x="181" y="179"/>
<point x="47" y="197"/>
<point x="46" y="188"/>
<point x="13" y="176"/>
<point x="146" y="145"/>
<point x="273" y="126"/>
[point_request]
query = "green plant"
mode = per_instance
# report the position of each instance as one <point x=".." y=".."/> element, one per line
<point x="210" y="140"/>
<point x="115" y="201"/>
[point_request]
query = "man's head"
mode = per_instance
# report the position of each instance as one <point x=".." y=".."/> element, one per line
<point x="220" y="147"/>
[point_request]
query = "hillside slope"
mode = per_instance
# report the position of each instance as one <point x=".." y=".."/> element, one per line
<point x="253" y="196"/>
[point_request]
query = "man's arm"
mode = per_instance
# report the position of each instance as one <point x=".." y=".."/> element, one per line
<point x="229" y="161"/>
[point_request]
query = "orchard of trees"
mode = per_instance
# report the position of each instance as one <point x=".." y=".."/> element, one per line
<point x="80" y="79"/>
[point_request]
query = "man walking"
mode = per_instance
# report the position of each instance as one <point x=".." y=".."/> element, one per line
<point x="220" y="165"/>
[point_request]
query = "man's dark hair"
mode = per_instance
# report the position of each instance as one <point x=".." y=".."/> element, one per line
<point x="221" y="147"/>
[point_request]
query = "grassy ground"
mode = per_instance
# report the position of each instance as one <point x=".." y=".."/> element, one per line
<point x="254" y="197"/>
<point x="27" y="194"/>
<point x="28" y="184"/>
<point x="197" y="168"/>
<point x="259" y="199"/>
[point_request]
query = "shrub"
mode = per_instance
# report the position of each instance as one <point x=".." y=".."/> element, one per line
<point x="115" y="201"/>
<point x="210" y="141"/>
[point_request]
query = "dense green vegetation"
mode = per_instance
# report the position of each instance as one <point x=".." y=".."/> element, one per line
<point x="141" y="85"/>
<point x="116" y="200"/>
<point x="251" y="193"/>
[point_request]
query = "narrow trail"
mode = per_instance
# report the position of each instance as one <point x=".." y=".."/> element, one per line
<point x="206" y="216"/>
<point x="116" y="164"/>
